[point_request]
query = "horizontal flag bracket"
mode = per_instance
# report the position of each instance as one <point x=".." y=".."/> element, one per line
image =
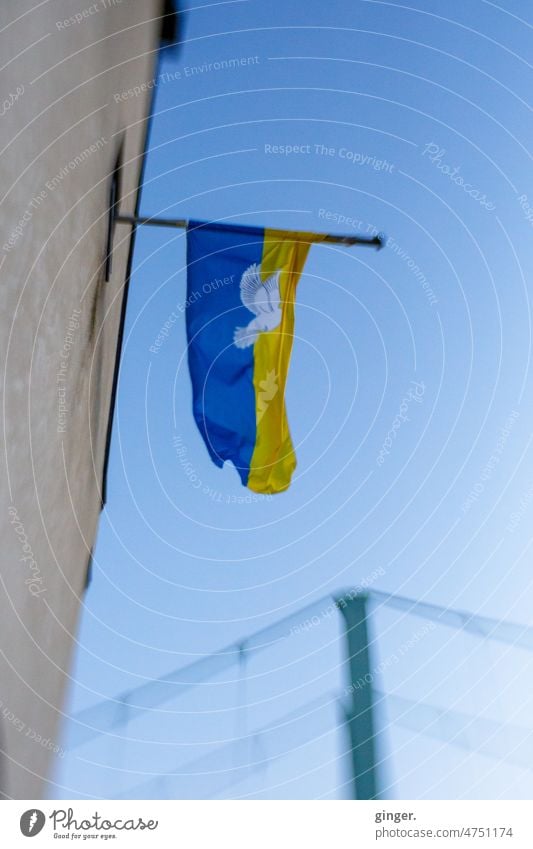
<point x="377" y="241"/>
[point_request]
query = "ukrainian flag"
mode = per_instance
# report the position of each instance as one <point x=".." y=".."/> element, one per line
<point x="241" y="287"/>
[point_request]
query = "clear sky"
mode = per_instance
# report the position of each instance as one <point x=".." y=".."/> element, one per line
<point x="338" y="117"/>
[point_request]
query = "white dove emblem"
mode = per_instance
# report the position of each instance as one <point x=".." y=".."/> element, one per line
<point x="261" y="298"/>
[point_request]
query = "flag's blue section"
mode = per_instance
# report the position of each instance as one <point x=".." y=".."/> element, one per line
<point x="221" y="374"/>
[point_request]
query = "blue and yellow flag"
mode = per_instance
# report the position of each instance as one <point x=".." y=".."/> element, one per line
<point x="241" y="287"/>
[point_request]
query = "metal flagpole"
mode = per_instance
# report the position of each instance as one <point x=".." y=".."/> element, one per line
<point x="182" y="223"/>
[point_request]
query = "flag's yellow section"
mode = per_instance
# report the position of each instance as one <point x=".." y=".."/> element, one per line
<point x="273" y="460"/>
<point x="239" y="344"/>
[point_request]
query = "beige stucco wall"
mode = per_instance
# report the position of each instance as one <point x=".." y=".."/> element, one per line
<point x="58" y="333"/>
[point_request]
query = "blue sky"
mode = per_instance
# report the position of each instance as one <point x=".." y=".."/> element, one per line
<point x="413" y="121"/>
